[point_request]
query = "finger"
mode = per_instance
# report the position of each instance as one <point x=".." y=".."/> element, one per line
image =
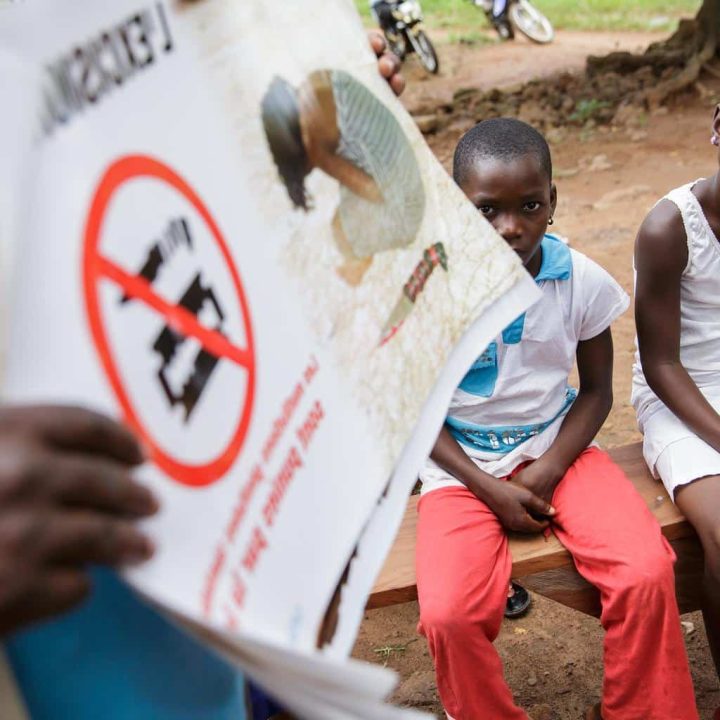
<point x="377" y="42"/>
<point x="530" y="525"/>
<point x="397" y="83"/>
<point x="76" y="428"/>
<point x="388" y="65"/>
<point x="86" y="481"/>
<point x="81" y="538"/>
<point x="538" y="505"/>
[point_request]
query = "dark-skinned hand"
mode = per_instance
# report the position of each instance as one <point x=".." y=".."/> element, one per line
<point x="388" y="64"/>
<point x="67" y="501"/>
<point x="540" y="479"/>
<point x="519" y="509"/>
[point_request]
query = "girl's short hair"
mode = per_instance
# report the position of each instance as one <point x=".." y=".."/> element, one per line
<point x="281" y="120"/>
<point x="500" y="139"/>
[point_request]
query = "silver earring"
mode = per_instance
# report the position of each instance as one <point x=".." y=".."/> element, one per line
<point x="715" y="140"/>
<point x="551" y="221"/>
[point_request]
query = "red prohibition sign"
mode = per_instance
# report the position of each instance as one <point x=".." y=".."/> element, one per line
<point x="97" y="267"/>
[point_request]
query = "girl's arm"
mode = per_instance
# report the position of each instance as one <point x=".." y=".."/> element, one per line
<point x="581" y="424"/>
<point x="321" y="137"/>
<point x="660" y="258"/>
<point x="346" y="173"/>
<point x="510" y="502"/>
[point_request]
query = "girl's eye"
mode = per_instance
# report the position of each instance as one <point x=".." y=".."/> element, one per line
<point x="485" y="209"/>
<point x="532" y="205"/>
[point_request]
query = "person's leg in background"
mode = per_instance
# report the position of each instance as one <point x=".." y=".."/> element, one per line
<point x="500" y="19"/>
<point x="383" y="14"/>
<point x="617" y="546"/>
<point x="699" y="502"/>
<point x="463" y="568"/>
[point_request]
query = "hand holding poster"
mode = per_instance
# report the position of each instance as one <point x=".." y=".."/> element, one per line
<point x="240" y="244"/>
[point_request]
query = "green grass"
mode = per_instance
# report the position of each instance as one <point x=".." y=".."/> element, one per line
<point x="461" y="19"/>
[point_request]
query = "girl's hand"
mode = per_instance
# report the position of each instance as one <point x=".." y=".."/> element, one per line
<point x="517" y="507"/>
<point x="540" y="479"/>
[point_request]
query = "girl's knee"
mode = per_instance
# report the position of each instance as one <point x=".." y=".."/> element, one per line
<point x="440" y="619"/>
<point x="648" y="570"/>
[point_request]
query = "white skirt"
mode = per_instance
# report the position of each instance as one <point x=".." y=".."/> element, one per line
<point x="674" y="453"/>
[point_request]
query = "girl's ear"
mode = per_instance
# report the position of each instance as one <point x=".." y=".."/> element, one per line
<point x="716" y="121"/>
<point x="553" y="199"/>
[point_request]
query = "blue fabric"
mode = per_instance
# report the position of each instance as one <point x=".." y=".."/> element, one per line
<point x="556" y="264"/>
<point x="556" y="260"/>
<point x="482" y="376"/>
<point x="117" y="659"/>
<point x="512" y="334"/>
<point x="502" y="439"/>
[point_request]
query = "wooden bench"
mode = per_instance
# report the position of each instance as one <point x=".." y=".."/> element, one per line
<point x="545" y="566"/>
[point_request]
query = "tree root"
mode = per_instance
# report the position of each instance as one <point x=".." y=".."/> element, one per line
<point x="710" y="70"/>
<point x="617" y="88"/>
<point x="656" y="96"/>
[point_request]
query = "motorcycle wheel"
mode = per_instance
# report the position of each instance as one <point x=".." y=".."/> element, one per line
<point x="531" y="22"/>
<point x="425" y="51"/>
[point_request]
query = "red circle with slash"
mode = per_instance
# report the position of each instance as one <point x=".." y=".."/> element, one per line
<point x="97" y="267"/>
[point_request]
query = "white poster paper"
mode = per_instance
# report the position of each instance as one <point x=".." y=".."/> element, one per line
<point x="233" y="237"/>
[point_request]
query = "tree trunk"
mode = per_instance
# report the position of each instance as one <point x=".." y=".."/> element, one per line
<point x="708" y="19"/>
<point x="677" y="62"/>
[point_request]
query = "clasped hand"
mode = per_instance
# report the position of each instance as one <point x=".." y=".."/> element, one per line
<point x="523" y="503"/>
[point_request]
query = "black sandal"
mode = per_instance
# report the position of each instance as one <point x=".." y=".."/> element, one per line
<point x="518" y="603"/>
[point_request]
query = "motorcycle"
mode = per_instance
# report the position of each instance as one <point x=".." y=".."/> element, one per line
<point x="519" y="15"/>
<point x="405" y="35"/>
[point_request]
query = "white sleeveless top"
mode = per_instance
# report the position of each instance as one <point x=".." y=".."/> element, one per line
<point x="699" y="309"/>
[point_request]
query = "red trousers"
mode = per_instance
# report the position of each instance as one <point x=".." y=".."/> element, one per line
<point x="463" y="568"/>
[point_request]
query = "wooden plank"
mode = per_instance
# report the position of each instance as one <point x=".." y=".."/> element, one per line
<point x="566" y="586"/>
<point x="544" y="564"/>
<point x="396" y="582"/>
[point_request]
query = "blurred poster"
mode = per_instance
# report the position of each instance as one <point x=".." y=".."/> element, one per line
<point x="220" y="225"/>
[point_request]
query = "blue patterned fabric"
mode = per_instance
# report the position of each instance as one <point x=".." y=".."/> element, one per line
<point x="502" y="439"/>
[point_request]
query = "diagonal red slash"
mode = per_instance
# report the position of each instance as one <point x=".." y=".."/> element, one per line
<point x="178" y="317"/>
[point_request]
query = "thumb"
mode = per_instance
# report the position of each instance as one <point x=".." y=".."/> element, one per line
<point x="538" y="505"/>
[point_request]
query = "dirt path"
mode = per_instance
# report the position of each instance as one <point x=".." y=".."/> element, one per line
<point x="504" y="64"/>
<point x="607" y="180"/>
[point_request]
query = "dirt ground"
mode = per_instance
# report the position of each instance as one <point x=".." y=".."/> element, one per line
<point x="607" y="180"/>
<point x="506" y="64"/>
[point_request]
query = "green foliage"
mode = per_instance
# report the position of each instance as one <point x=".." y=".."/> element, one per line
<point x="461" y="18"/>
<point x="586" y="110"/>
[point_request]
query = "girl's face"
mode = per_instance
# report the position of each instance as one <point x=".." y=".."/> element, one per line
<point x="518" y="199"/>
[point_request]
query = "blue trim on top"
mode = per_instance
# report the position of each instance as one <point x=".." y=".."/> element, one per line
<point x="501" y="439"/>
<point x="556" y="265"/>
<point x="512" y="334"/>
<point x="556" y="260"/>
<point x="482" y="376"/>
